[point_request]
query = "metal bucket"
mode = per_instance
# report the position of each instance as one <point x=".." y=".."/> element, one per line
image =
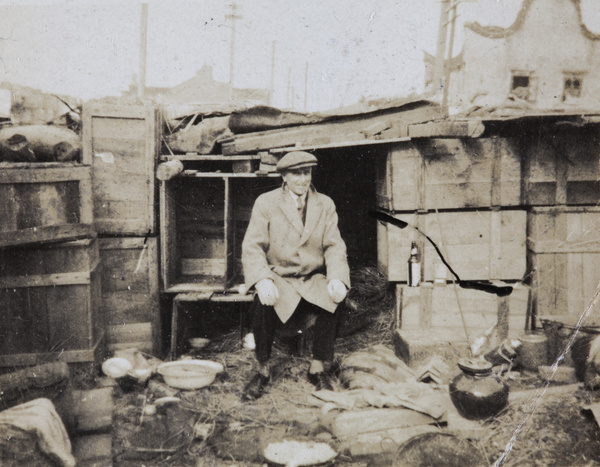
<point x="533" y="351"/>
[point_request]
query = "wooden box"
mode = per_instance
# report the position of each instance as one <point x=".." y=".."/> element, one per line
<point x="204" y="217"/>
<point x="431" y="307"/>
<point x="49" y="302"/>
<point x="478" y="245"/>
<point x="562" y="168"/>
<point x="564" y="254"/>
<point x="44" y="202"/>
<point x="123" y="142"/>
<point x="450" y="174"/>
<point x="130" y="290"/>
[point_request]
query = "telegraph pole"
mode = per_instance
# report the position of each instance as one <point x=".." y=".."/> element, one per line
<point x="232" y="17"/>
<point x="440" y="56"/>
<point x="447" y="65"/>
<point x="305" y="86"/>
<point x="272" y="74"/>
<point x="143" y="50"/>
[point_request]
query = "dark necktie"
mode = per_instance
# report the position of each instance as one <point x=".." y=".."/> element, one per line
<point x="301" y="209"/>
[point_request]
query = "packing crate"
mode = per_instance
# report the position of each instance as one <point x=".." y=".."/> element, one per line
<point x="478" y="245"/>
<point x="44" y="202"/>
<point x="432" y="307"/>
<point x="564" y="253"/>
<point x="123" y="144"/>
<point x="204" y="216"/>
<point x="49" y="302"/>
<point x="130" y="291"/>
<point x="450" y="173"/>
<point x="562" y="167"/>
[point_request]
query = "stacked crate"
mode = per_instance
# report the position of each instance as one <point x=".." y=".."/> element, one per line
<point x="122" y="143"/>
<point x="562" y="188"/>
<point x="465" y="194"/>
<point x="49" y="269"/>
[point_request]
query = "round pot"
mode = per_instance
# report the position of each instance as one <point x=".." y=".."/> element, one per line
<point x="475" y="392"/>
<point x="189" y="374"/>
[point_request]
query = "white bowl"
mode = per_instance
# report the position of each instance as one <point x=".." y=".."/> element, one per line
<point x="198" y="342"/>
<point x="189" y="374"/>
<point x="116" y="367"/>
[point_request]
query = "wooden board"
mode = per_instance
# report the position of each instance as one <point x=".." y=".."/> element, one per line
<point x="130" y="285"/>
<point x="559" y="169"/>
<point x="564" y="250"/>
<point x="385" y="124"/>
<point x="431" y="307"/>
<point x="138" y="336"/>
<point x="44" y="204"/>
<point x="454" y="173"/>
<point x="478" y="245"/>
<point x="50" y="296"/>
<point x="122" y="142"/>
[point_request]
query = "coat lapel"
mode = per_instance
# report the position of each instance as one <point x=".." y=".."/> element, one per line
<point x="291" y="212"/>
<point x="314" y="209"/>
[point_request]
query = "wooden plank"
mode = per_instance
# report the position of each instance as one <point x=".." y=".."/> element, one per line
<point x="451" y="174"/>
<point x="350" y="129"/>
<point x="69" y="356"/>
<point x="341" y="144"/>
<point x="564" y="251"/>
<point x="46" y="234"/>
<point x="441" y="129"/>
<point x="45" y="280"/>
<point x="561" y="170"/>
<point x="448" y="306"/>
<point x="49" y="175"/>
<point x="209" y="158"/>
<point x="130" y="281"/>
<point x="203" y="266"/>
<point x="122" y="144"/>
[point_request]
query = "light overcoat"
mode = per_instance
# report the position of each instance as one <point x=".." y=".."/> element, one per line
<point x="300" y="259"/>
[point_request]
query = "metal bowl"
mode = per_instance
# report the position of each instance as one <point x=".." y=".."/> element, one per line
<point x="189" y="374"/>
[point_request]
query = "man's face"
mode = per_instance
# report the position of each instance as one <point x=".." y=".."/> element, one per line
<point x="298" y="180"/>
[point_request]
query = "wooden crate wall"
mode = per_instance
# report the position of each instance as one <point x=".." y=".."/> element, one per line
<point x="49" y="303"/>
<point x="44" y="202"/>
<point x="204" y="222"/>
<point x="123" y="143"/>
<point x="564" y="253"/>
<point x="130" y="292"/>
<point x="430" y="174"/>
<point x="562" y="168"/>
<point x="478" y="245"/>
<point x="432" y="307"/>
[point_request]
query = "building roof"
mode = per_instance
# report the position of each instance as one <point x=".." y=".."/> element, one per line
<point x="497" y="32"/>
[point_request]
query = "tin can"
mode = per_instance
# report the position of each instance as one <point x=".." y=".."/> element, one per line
<point x="533" y="351"/>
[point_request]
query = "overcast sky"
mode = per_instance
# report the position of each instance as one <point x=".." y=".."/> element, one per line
<point x="353" y="48"/>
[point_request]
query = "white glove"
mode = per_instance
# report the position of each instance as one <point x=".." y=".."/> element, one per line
<point x="337" y="290"/>
<point x="267" y="292"/>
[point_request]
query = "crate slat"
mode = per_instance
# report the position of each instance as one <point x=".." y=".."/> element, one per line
<point x="40" y="204"/>
<point x="122" y="143"/>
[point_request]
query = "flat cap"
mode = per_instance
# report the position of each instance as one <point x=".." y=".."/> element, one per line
<point x="296" y="160"/>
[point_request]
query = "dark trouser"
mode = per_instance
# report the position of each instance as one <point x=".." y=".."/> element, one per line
<point x="266" y="323"/>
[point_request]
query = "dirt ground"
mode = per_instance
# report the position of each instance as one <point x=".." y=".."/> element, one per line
<point x="212" y="426"/>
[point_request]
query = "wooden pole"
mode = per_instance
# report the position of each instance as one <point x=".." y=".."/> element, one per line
<point x="272" y="73"/>
<point x="288" y="88"/>
<point x="447" y="65"/>
<point x="305" y="86"/>
<point x="440" y="56"/>
<point x="232" y="17"/>
<point x="143" y="50"/>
